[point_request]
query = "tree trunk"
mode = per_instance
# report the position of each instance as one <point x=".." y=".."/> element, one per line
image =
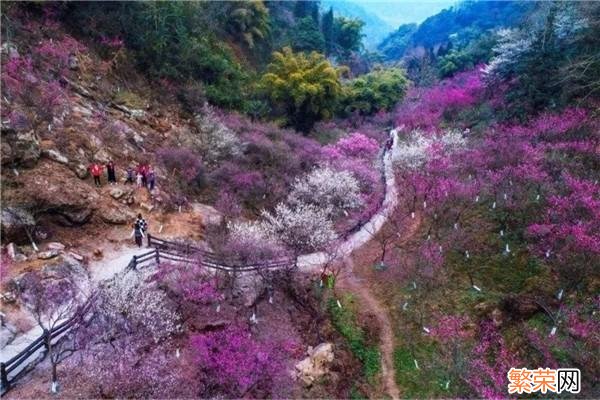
<point x="54" y="387"/>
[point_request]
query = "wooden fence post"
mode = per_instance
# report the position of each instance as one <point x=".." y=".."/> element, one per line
<point x="134" y="262"/>
<point x="157" y="257"/>
<point x="4" y="377"/>
<point x="149" y="240"/>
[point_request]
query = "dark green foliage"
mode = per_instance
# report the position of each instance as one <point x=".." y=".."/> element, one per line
<point x="307" y="8"/>
<point x="169" y="40"/>
<point x="375" y="91"/>
<point x="394" y="45"/>
<point x="467" y="55"/>
<point x="468" y="16"/>
<point x="327" y="29"/>
<point x="347" y="35"/>
<point x="560" y="61"/>
<point x="306" y="36"/>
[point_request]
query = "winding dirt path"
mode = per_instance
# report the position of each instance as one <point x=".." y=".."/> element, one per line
<point x="314" y="261"/>
<point x="351" y="283"/>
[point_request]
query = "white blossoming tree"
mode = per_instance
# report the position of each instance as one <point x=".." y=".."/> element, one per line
<point x="217" y="140"/>
<point x="131" y="303"/>
<point x="252" y="242"/>
<point x="327" y="188"/>
<point x="413" y="153"/>
<point x="302" y="227"/>
<point x="512" y="44"/>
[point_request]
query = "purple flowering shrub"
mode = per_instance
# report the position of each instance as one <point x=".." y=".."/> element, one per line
<point x="238" y="364"/>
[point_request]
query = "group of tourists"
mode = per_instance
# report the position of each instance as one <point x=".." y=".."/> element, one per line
<point x="142" y="176"/>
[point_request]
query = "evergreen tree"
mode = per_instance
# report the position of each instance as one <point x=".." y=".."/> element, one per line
<point x="306" y="36"/>
<point x="327" y="30"/>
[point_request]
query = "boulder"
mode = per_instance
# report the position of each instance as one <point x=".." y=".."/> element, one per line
<point x="116" y="193"/>
<point x="14" y="221"/>
<point x="80" y="170"/>
<point x="81" y="111"/>
<point x="316" y="364"/>
<point x="76" y="256"/>
<point x="73" y="62"/>
<point x="210" y="215"/>
<point x="117" y="216"/>
<point x="55" y="155"/>
<point x="8" y="297"/>
<point x="14" y="253"/>
<point x="19" y="148"/>
<point x="48" y="254"/>
<point x="102" y="156"/>
<point x="74" y="215"/>
<point x="56" y="246"/>
<point x="10" y="49"/>
<point x="137" y="114"/>
<point x="137" y="139"/>
<point x="146" y="206"/>
<point x="249" y="287"/>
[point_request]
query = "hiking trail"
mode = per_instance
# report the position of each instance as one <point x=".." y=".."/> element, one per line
<point x="350" y="282"/>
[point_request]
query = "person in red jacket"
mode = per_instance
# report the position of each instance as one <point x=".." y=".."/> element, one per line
<point x="96" y="170"/>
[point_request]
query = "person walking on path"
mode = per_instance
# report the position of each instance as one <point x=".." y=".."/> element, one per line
<point x="151" y="179"/>
<point x="96" y="170"/>
<point x="110" y="171"/>
<point x="142" y="222"/>
<point x="138" y="232"/>
<point x="130" y="176"/>
<point x="138" y="179"/>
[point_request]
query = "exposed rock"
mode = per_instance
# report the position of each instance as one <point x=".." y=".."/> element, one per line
<point x="56" y="246"/>
<point x="10" y="49"/>
<point x="14" y="221"/>
<point x="12" y="250"/>
<point x="116" y="193"/>
<point x="116" y="216"/>
<point x="102" y="156"/>
<point x="8" y="297"/>
<point x="48" y="254"/>
<point x="81" y="171"/>
<point x="7" y="333"/>
<point x="146" y="206"/>
<point x="497" y="317"/>
<point x="316" y="364"/>
<point x="210" y="215"/>
<point x="74" y="215"/>
<point x="83" y="111"/>
<point x="76" y="256"/>
<point x="137" y="114"/>
<point x="19" y="148"/>
<point x="52" y="191"/>
<point x="249" y="286"/>
<point x="55" y="155"/>
<point x="14" y="253"/>
<point x="138" y="139"/>
<point x="73" y="62"/>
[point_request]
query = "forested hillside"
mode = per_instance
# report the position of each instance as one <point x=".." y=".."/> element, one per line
<point x="238" y="200"/>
